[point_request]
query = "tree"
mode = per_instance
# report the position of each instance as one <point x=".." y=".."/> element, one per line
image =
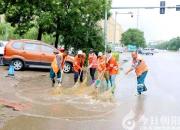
<point x="25" y="14"/>
<point x="74" y="21"/>
<point x="78" y="24"/>
<point x="173" y="44"/>
<point x="133" y="37"/>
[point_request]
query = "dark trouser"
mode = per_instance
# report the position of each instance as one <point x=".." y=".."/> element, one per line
<point x="92" y="73"/>
<point x="1" y="60"/>
<point x="53" y="75"/>
<point x="76" y="76"/>
<point x="140" y="82"/>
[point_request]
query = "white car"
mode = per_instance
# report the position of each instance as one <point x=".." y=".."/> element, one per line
<point x="2" y="45"/>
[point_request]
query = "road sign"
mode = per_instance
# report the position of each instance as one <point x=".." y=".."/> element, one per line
<point x="177" y="7"/>
<point x="162" y="7"/>
<point x="132" y="48"/>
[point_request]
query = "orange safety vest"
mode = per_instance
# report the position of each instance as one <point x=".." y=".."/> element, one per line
<point x="78" y="63"/>
<point x="54" y="64"/>
<point x="142" y="67"/>
<point x="112" y="66"/>
<point x="101" y="64"/>
<point x="92" y="60"/>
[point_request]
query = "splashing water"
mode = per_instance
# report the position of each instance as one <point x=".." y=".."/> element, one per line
<point x="82" y="89"/>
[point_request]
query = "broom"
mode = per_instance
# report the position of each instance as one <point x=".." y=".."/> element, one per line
<point x="77" y="83"/>
<point x="96" y="85"/>
<point x="98" y="80"/>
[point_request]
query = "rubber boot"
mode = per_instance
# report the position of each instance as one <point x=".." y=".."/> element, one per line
<point x="140" y="88"/>
<point x="144" y="88"/>
<point x="53" y="82"/>
<point x="113" y="89"/>
<point x="107" y="85"/>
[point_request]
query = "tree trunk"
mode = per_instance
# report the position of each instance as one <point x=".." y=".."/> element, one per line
<point x="40" y="32"/>
<point x="57" y="39"/>
<point x="57" y="33"/>
<point x="65" y="46"/>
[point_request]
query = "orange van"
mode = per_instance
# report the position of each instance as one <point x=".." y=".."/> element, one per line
<point x="32" y="53"/>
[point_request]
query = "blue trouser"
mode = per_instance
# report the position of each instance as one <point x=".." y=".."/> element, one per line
<point x="53" y="75"/>
<point x="112" y="79"/>
<point x="140" y="83"/>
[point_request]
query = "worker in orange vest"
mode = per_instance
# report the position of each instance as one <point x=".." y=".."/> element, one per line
<point x="57" y="67"/>
<point x="101" y="63"/>
<point x="78" y="66"/>
<point x="101" y="67"/>
<point x="92" y="64"/>
<point x="141" y="69"/>
<point x="113" y="68"/>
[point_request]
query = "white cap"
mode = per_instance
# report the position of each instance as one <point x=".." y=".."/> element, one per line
<point x="100" y="54"/>
<point x="80" y="52"/>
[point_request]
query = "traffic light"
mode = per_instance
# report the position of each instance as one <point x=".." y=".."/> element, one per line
<point x="162" y="7"/>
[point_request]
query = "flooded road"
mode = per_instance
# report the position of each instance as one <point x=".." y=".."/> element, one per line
<point x="158" y="108"/>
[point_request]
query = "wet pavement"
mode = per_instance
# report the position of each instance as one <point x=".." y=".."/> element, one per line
<point x="158" y="108"/>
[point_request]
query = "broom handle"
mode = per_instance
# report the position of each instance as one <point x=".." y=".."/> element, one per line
<point x="61" y="76"/>
<point x="80" y="75"/>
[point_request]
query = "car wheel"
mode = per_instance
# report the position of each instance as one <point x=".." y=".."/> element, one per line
<point x="67" y="67"/>
<point x="18" y="64"/>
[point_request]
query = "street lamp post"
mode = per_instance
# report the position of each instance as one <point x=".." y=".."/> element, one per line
<point x="116" y="13"/>
<point x="105" y="27"/>
<point x="137" y="26"/>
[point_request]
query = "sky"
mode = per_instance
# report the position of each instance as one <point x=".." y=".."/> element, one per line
<point x="156" y="26"/>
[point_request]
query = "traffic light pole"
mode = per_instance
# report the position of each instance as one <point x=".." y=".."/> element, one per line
<point x="146" y="7"/>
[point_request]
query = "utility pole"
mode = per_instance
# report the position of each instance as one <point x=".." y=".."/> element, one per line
<point x="115" y="28"/>
<point x="105" y="27"/>
<point x="145" y="7"/>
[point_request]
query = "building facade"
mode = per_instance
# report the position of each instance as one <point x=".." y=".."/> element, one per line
<point x="114" y="31"/>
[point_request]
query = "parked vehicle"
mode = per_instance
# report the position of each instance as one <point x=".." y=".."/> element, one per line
<point x="32" y="53"/>
<point x="148" y="51"/>
<point x="2" y="45"/>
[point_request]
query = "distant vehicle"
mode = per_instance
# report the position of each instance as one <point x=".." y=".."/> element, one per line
<point x="32" y="53"/>
<point x="148" y="51"/>
<point x="140" y="51"/>
<point x="119" y="49"/>
<point x="156" y="50"/>
<point x="2" y="46"/>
